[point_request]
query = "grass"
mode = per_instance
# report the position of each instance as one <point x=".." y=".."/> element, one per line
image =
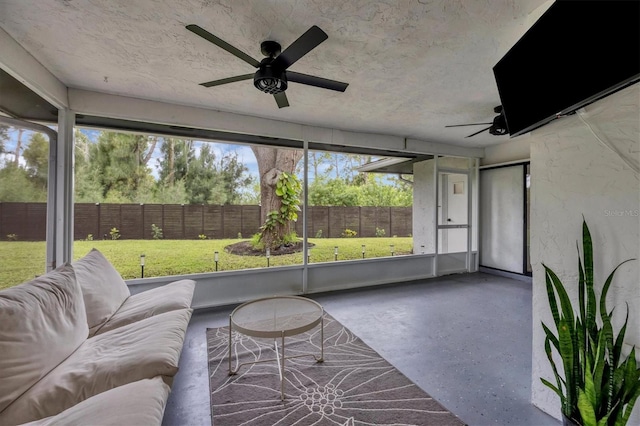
<point x="22" y="261"/>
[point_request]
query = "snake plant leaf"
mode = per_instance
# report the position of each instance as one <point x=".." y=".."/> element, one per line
<point x="589" y="387"/>
<point x="631" y="373"/>
<point x="551" y="295"/>
<point x="565" y="302"/>
<point x="631" y="402"/>
<point x="617" y="348"/>
<point x="549" y="335"/>
<point x="587" y="253"/>
<point x="559" y="380"/>
<point x="554" y="388"/>
<point x="567" y="354"/>
<point x="587" y="412"/>
<point x="581" y="287"/>
<point x="599" y="364"/>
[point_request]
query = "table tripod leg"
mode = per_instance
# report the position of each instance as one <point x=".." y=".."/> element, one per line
<point x="282" y="371"/>
<point x="321" y="338"/>
<point x="230" y="371"/>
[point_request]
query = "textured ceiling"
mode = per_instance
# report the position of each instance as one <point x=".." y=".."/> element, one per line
<point x="412" y="66"/>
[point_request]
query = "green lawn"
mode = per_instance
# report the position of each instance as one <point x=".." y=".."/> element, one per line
<point x="21" y="261"/>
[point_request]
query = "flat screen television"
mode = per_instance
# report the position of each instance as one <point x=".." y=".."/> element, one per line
<point x="576" y="53"/>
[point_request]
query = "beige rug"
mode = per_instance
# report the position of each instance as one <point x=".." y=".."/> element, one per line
<point x="353" y="386"/>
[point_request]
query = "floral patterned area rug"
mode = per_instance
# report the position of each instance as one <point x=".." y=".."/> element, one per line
<point x="353" y="386"/>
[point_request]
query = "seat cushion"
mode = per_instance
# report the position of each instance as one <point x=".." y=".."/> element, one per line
<point x="170" y="297"/>
<point x="141" y="350"/>
<point x="42" y="322"/>
<point x="103" y="288"/>
<point x="137" y="403"/>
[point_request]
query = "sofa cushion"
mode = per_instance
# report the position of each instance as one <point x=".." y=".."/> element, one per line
<point x="103" y="288"/>
<point x="170" y="297"/>
<point x="42" y="322"/>
<point x="141" y="350"/>
<point x="137" y="403"/>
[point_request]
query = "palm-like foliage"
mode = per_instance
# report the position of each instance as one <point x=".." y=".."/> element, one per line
<point x="599" y="386"/>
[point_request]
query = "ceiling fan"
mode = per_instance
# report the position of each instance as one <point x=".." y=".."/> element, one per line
<point x="497" y="127"/>
<point x="272" y="76"/>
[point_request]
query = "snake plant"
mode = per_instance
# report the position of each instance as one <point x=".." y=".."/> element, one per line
<point x="599" y="385"/>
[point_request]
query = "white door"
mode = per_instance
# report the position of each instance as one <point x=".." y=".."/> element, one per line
<point x="453" y="206"/>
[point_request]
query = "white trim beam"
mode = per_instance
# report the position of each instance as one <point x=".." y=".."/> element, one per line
<point x="22" y="66"/>
<point x="142" y="110"/>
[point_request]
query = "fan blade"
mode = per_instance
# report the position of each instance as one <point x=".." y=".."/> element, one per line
<point x="227" y="80"/>
<point x="311" y="80"/>
<point x="281" y="99"/>
<point x="303" y="45"/>
<point x="483" y="130"/>
<point x="223" y="45"/>
<point x="470" y="124"/>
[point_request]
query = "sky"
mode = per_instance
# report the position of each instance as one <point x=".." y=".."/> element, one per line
<point x="245" y="154"/>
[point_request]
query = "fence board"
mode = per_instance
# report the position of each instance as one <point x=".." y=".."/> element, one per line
<point x="172" y="226"/>
<point x="28" y="221"/>
<point x="213" y="222"/>
<point x="193" y="222"/>
<point x="131" y="221"/>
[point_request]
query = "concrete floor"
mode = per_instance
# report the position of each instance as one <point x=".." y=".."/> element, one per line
<point x="465" y="339"/>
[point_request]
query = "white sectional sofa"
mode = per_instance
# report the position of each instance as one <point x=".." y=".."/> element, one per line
<point x="77" y="348"/>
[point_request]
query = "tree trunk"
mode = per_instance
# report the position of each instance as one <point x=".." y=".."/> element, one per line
<point x="271" y="163"/>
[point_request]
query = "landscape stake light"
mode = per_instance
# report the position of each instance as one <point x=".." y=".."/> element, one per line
<point x="216" y="259"/>
<point x="363" y="251"/>
<point x="308" y="255"/>
<point x="142" y="266"/>
<point x="422" y="248"/>
<point x="268" y="254"/>
<point x="335" y="253"/>
<point x="392" y="249"/>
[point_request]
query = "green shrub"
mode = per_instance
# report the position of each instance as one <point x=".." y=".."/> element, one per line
<point x="380" y="232"/>
<point x="202" y="237"/>
<point x="12" y="237"/>
<point x="348" y="233"/>
<point x="115" y="233"/>
<point x="156" y="232"/>
<point x="319" y="233"/>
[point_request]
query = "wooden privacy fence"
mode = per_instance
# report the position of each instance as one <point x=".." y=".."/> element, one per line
<point x="27" y="221"/>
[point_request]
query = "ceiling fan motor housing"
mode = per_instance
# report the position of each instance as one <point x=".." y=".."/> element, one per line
<point x="268" y="79"/>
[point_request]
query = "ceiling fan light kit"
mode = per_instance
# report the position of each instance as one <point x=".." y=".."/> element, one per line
<point x="271" y="76"/>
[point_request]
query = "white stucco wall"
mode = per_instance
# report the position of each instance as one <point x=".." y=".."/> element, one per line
<point x="575" y="174"/>
<point x="424" y="204"/>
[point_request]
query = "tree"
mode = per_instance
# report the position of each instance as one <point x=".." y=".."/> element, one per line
<point x="272" y="163"/>
<point x="87" y="187"/>
<point x="4" y="136"/>
<point x="234" y="177"/>
<point x="118" y="163"/>
<point x="36" y="155"/>
<point x="15" y="186"/>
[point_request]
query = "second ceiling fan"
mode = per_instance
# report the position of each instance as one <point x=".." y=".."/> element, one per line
<point x="498" y="126"/>
<point x="272" y="76"/>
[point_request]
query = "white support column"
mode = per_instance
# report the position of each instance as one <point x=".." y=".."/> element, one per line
<point x="305" y="195"/>
<point x="64" y="188"/>
<point x="436" y="181"/>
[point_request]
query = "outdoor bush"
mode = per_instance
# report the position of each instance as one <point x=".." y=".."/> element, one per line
<point x="202" y="237"/>
<point x="380" y="232"/>
<point x="319" y="233"/>
<point x="348" y="233"/>
<point x="156" y="232"/>
<point x="89" y="237"/>
<point x="115" y="233"/>
<point x="12" y="237"/>
<point x="239" y="235"/>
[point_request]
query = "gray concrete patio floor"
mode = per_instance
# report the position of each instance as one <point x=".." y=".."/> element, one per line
<point x="465" y="339"/>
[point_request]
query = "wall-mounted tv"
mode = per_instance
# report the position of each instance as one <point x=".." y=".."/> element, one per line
<point x="576" y="53"/>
